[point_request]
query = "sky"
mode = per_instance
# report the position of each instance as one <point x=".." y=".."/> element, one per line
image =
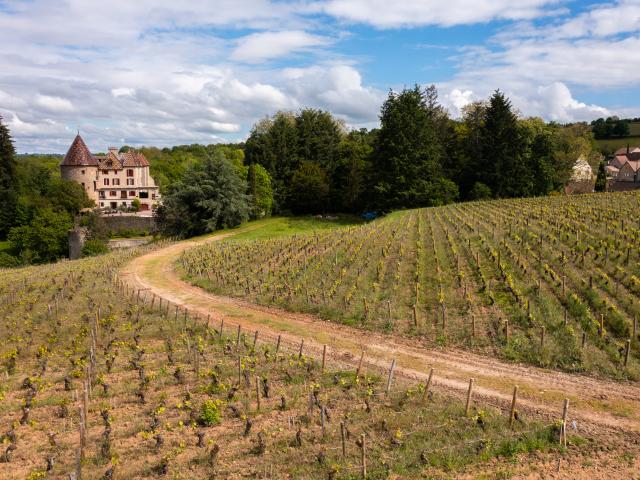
<point x="167" y="72"/>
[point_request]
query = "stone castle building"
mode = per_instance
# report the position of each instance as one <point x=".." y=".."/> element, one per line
<point x="112" y="181"/>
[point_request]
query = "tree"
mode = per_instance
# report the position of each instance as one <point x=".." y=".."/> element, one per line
<point x="621" y="129"/>
<point x="350" y="175"/>
<point x="601" y="179"/>
<point x="135" y="205"/>
<point x="273" y="144"/>
<point x="8" y="181"/>
<point x="44" y="239"/>
<point x="211" y="196"/>
<point x="67" y="195"/>
<point x="407" y="151"/>
<point x="309" y="189"/>
<point x="259" y="183"/>
<point x="499" y="165"/>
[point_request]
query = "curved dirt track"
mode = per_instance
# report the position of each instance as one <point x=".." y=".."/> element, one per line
<point x="598" y="406"/>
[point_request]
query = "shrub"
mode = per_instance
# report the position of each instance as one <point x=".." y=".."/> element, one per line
<point x="93" y="247"/>
<point x="8" y="261"/>
<point x="210" y="413"/>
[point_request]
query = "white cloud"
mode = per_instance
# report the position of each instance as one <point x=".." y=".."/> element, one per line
<point x="338" y="88"/>
<point x="556" y="103"/>
<point x="385" y="14"/>
<point x="123" y="92"/>
<point x="54" y="104"/>
<point x="259" y="47"/>
<point x="457" y="99"/>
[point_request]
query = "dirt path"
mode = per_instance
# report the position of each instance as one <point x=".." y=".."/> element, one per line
<point x="596" y="405"/>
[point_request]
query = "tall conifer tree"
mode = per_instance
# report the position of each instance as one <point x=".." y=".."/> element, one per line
<point x="8" y="181"/>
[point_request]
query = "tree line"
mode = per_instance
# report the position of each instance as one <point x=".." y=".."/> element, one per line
<point x="418" y="157"/>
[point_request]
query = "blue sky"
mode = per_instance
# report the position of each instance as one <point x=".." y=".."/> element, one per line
<point x="160" y="72"/>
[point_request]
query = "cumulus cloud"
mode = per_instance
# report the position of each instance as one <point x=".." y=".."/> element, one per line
<point x="457" y="99"/>
<point x="263" y="46"/>
<point x="385" y="14"/>
<point x="557" y="103"/>
<point x="338" y="88"/>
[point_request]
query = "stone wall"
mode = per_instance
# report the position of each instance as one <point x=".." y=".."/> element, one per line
<point x="119" y="223"/>
<point x="77" y="237"/>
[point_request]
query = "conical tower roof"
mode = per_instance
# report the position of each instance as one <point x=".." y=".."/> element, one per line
<point x="79" y="155"/>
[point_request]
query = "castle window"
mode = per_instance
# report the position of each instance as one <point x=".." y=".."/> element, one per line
<point x="106" y="181"/>
<point x="105" y="172"/>
<point x="130" y="172"/>
<point x="113" y="193"/>
<point x="130" y="181"/>
<point x="132" y="193"/>
<point x="82" y="172"/>
<point x="116" y="181"/>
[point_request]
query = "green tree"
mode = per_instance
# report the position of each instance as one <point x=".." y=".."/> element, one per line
<point x="499" y="165"/>
<point x="350" y="175"/>
<point x="259" y="183"/>
<point x="44" y="239"/>
<point x="309" y="189"/>
<point x="601" y="179"/>
<point x="273" y="143"/>
<point x="8" y="181"/>
<point x="67" y="195"/>
<point x="407" y="151"/>
<point x="210" y="196"/>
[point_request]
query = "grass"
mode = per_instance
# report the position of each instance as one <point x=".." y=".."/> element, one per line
<point x="288" y="226"/>
<point x="182" y="369"/>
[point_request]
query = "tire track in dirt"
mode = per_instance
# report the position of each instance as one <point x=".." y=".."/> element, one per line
<point x="597" y="405"/>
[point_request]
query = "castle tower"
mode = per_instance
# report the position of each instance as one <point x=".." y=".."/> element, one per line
<point x="79" y="165"/>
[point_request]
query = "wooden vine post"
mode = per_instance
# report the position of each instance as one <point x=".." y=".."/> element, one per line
<point x="359" y="365"/>
<point x="428" y="384"/>
<point x="563" y="426"/>
<point x="390" y="376"/>
<point x="512" y="412"/>
<point x="363" y="455"/>
<point x="343" y="435"/>
<point x="627" y="351"/>
<point x="324" y="357"/>
<point x="469" y="395"/>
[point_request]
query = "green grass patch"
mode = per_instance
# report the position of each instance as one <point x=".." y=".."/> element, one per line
<point x="286" y="226"/>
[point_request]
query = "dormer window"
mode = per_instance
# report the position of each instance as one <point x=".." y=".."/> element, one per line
<point x="130" y="172"/>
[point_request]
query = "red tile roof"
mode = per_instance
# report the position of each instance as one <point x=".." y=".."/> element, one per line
<point x="79" y="155"/>
<point x="133" y="159"/>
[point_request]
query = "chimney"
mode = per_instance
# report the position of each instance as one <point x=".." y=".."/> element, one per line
<point x="627" y="149"/>
<point x="114" y="150"/>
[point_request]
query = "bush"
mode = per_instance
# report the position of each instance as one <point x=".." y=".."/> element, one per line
<point x="210" y="413"/>
<point x="8" y="261"/>
<point x="480" y="191"/>
<point x="93" y="247"/>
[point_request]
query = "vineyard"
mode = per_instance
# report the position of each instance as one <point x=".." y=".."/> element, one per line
<point x="550" y="281"/>
<point x="100" y="380"/>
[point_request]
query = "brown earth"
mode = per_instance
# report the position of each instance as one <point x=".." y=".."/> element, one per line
<point x="598" y="407"/>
